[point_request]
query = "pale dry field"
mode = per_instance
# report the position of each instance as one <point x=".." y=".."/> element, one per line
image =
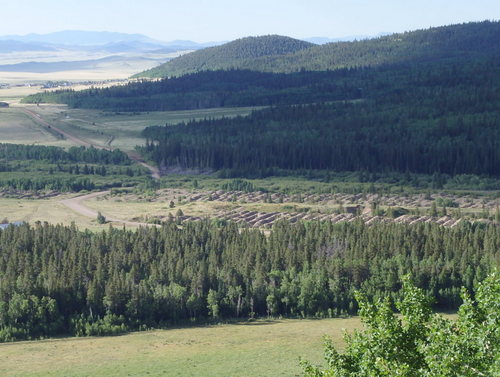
<point x="14" y="94"/>
<point x="121" y="66"/>
<point x="50" y="210"/>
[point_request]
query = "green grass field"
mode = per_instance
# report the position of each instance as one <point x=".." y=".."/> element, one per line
<point x="259" y="348"/>
<point x="18" y="128"/>
<point x="118" y="130"/>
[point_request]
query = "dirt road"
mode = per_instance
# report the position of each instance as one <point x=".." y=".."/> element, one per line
<point x="74" y="139"/>
<point x="76" y="205"/>
<point x="134" y="156"/>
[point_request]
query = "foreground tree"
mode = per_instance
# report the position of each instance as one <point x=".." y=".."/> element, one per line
<point x="418" y="343"/>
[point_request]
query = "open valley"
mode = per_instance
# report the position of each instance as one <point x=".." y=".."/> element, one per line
<point x="234" y="208"/>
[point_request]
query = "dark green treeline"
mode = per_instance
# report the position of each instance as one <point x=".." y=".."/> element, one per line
<point x="57" y="279"/>
<point x="14" y="152"/>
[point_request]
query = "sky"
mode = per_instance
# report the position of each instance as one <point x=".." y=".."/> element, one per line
<point x="223" y="20"/>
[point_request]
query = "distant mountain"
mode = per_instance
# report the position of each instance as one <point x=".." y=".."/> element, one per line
<point x="106" y="43"/>
<point x="92" y="39"/>
<point x="282" y="54"/>
<point x="9" y="46"/>
<point x="193" y="45"/>
<point x="116" y="62"/>
<point x="133" y="46"/>
<point x="230" y="55"/>
<point x="81" y="38"/>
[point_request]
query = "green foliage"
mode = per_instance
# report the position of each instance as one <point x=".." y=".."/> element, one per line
<point x="418" y="343"/>
<point x="369" y="136"/>
<point x="266" y="53"/>
<point x="446" y="202"/>
<point x="102" y="283"/>
<point x="35" y="168"/>
<point x="15" y="152"/>
<point x="27" y="316"/>
<point x="110" y="324"/>
<point x="209" y="89"/>
<point x="101" y="219"/>
<point x="230" y="55"/>
<point x="240" y="185"/>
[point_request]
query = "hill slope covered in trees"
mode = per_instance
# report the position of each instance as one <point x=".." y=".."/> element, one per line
<point x="234" y="54"/>
<point x="422" y="45"/>
<point x="397" y="66"/>
<point x="443" y="119"/>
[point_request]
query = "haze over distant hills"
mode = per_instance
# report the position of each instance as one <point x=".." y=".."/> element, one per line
<point x="254" y="71"/>
<point x="91" y="39"/>
<point x="105" y="52"/>
<point x="118" y="55"/>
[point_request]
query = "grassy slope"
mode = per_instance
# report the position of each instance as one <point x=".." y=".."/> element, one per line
<point x="260" y="348"/>
<point x="18" y="128"/>
<point x="95" y="126"/>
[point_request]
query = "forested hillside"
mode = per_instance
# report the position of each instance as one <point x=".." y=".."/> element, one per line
<point x="232" y="88"/>
<point x="433" y="118"/>
<point x="429" y="104"/>
<point x="440" y="43"/>
<point x="235" y="54"/>
<point x="460" y="52"/>
<point x="58" y="280"/>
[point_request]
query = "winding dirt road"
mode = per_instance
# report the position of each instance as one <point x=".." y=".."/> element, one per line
<point x="75" y="203"/>
<point x="134" y="156"/>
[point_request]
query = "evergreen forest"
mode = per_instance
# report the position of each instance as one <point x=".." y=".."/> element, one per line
<point x="58" y="280"/>
<point x="286" y="55"/>
<point x="443" y="119"/>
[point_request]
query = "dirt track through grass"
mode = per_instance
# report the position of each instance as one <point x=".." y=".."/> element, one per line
<point x="134" y="156"/>
<point x="76" y="205"/>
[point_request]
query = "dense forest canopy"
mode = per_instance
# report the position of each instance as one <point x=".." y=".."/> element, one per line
<point x="56" y="279"/>
<point x="234" y="54"/>
<point x="431" y="119"/>
<point x="423" y="54"/>
<point x="208" y="89"/>
<point x="455" y="41"/>
<point x="15" y="152"/>
<point x="42" y="168"/>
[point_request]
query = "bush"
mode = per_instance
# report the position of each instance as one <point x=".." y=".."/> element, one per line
<point x="419" y="343"/>
<point x="101" y="219"/>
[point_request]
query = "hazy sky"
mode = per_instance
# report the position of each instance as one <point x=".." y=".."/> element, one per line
<point x="216" y="20"/>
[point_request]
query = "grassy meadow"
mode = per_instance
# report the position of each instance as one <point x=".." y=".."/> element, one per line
<point x="50" y="210"/>
<point x="118" y="130"/>
<point x="258" y="348"/>
<point x="17" y="127"/>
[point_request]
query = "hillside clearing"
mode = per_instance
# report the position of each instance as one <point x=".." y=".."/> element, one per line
<point x="117" y="130"/>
